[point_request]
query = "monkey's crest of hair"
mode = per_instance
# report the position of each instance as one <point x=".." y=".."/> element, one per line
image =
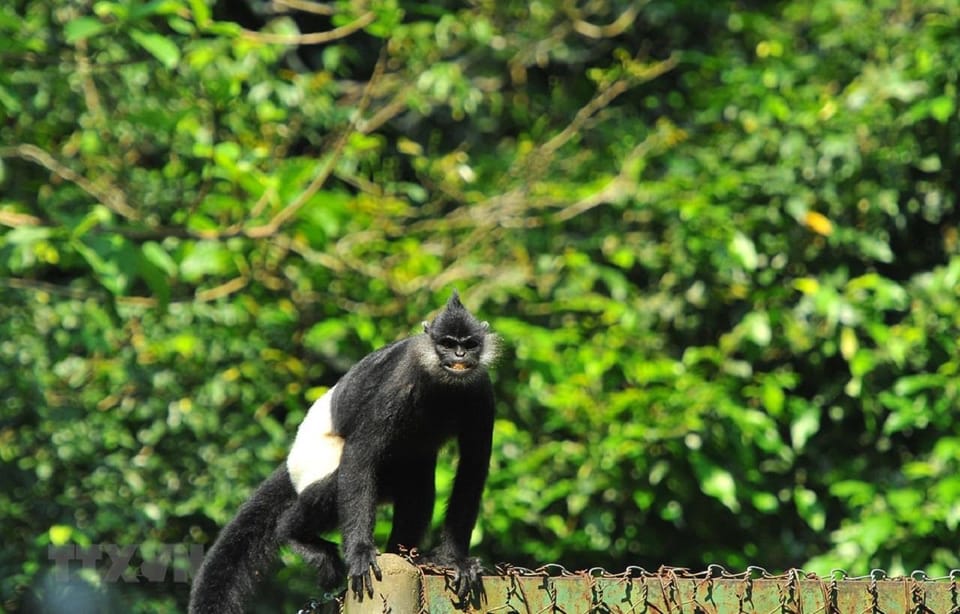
<point x="455" y="320"/>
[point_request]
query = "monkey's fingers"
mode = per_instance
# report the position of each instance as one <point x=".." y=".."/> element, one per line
<point x="366" y="582"/>
<point x="360" y="584"/>
<point x="463" y="583"/>
<point x="466" y="577"/>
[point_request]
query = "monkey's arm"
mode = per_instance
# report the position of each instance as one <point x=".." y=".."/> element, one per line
<point x="356" y="505"/>
<point x="475" y="439"/>
<point x="464" y="502"/>
<point x="414" y="495"/>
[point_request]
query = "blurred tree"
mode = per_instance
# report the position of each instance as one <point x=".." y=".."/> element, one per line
<point x="720" y="240"/>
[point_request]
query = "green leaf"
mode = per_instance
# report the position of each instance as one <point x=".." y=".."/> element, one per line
<point x="201" y="12"/>
<point x="810" y="508"/>
<point x="60" y="534"/>
<point x="942" y="108"/>
<point x="83" y="28"/>
<point x="155" y="279"/>
<point x="111" y="257"/>
<point x="910" y="385"/>
<point x="745" y="251"/>
<point x="773" y="397"/>
<point x="930" y="164"/>
<point x="25" y="235"/>
<point x="142" y="10"/>
<point x="159" y="257"/>
<point x="804" y="425"/>
<point x="765" y="502"/>
<point x="226" y="154"/>
<point x="719" y="484"/>
<point x="206" y="258"/>
<point x="757" y="327"/>
<point x="97" y="215"/>
<point x="9" y="101"/>
<point x="875" y="248"/>
<point x="158" y="46"/>
<point x="848" y="343"/>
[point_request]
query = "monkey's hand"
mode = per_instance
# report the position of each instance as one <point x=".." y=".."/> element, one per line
<point x="361" y="560"/>
<point x="467" y="570"/>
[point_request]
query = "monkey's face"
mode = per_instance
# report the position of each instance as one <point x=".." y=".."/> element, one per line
<point x="459" y="356"/>
<point x="457" y="347"/>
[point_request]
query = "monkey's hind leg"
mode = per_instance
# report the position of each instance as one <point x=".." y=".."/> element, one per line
<point x="315" y="512"/>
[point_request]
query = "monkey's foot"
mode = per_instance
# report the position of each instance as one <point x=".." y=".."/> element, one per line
<point x="465" y="580"/>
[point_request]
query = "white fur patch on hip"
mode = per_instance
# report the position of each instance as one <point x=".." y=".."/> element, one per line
<point x="316" y="449"/>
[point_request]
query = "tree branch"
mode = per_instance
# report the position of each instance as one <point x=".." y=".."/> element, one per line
<point x="306" y="6"/>
<point x="14" y="219"/>
<point x="291" y="209"/>
<point x="109" y="196"/>
<point x="234" y="285"/>
<point x="313" y="38"/>
<point x="615" y="28"/>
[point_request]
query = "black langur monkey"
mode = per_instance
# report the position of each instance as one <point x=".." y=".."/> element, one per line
<point x="373" y="437"/>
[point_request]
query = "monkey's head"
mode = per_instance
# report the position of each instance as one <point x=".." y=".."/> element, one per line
<point x="462" y="345"/>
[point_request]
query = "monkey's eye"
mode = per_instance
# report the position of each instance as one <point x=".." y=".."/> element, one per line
<point x="470" y="344"/>
<point x="448" y="343"/>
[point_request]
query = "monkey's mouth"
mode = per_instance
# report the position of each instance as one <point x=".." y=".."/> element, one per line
<point x="457" y="367"/>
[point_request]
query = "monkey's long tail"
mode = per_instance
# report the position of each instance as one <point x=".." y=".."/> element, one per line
<point x="243" y="550"/>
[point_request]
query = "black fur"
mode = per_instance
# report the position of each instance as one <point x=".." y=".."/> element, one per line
<point x="393" y="411"/>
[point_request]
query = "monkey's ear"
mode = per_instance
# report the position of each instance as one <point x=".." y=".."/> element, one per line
<point x="485" y="326"/>
<point x="426" y="326"/>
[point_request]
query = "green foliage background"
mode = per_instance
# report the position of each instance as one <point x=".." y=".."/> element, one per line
<point x="719" y="240"/>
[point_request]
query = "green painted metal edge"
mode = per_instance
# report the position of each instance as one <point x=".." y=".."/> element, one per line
<point x="668" y="594"/>
<point x="407" y="589"/>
